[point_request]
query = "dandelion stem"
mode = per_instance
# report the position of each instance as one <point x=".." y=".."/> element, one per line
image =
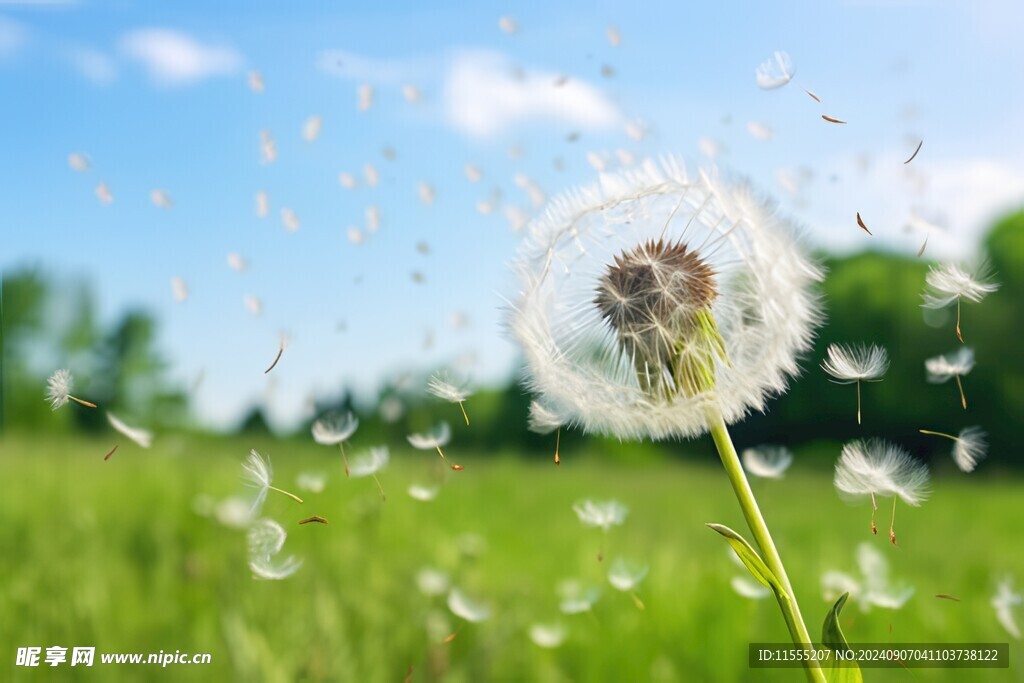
<point x="86" y="403"/>
<point x="344" y="458"/>
<point x="751" y="512"/>
<point x="290" y="495"/>
<point x="960" y="386"/>
<point x="948" y="436"/>
<point x="463" y="409"/>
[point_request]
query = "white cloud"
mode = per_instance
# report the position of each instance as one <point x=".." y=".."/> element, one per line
<point x="484" y="94"/>
<point x="175" y="58"/>
<point x="92" y="64"/>
<point x="12" y="37"/>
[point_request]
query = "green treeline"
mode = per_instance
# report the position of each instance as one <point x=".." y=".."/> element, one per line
<point x="871" y="297"/>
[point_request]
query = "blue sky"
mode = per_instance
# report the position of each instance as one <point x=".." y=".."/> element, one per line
<point x="158" y="96"/>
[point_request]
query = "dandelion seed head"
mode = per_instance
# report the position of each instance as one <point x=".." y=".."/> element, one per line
<point x="59" y="387"/>
<point x="370" y="462"/>
<point x="654" y="295"/>
<point x="547" y="636"/>
<point x="332" y="429"/>
<point x="601" y="514"/>
<point x="437" y="437"/>
<point x="625" y="575"/>
<point x="956" y="364"/>
<point x="141" y="437"/>
<point x="948" y="282"/>
<point x="971" y="446"/>
<point x="883" y="469"/>
<point x="769" y="462"/>
<point x="848" y="363"/>
<point x="465" y="608"/>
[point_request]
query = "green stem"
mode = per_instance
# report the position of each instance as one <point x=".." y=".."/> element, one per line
<point x="790" y="609"/>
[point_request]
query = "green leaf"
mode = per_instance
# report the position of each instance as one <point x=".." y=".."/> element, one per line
<point x="751" y="560"/>
<point x="832" y="637"/>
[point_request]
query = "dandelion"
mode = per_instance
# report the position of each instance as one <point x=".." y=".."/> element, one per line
<point x="856" y="364"/>
<point x="957" y="364"/>
<point x="439" y="386"/>
<point x="422" y="493"/>
<point x="1004" y="602"/>
<point x="746" y="587"/>
<point x="140" y="436"/>
<point x="311" y="481"/>
<point x="266" y="539"/>
<point x="949" y="283"/>
<point x="311" y="128"/>
<point x="335" y="429"/>
<point x="547" y="636"/>
<point x="577" y="598"/>
<point x="465" y="608"/>
<point x="433" y="440"/>
<point x="625" y="576"/>
<point x="657" y="304"/>
<point x="258" y="474"/>
<point x="776" y="72"/>
<point x="370" y="463"/>
<point x="58" y="390"/>
<point x="769" y="462"/>
<point x="878" y="468"/>
<point x="432" y="582"/>
<point x="969" y="446"/>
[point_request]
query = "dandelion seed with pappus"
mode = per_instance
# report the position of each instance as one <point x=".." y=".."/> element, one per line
<point x="332" y="430"/>
<point x="58" y="390"/>
<point x="433" y="440"/>
<point x="258" y="474"/>
<point x="850" y="364"/>
<point x="969" y="446"/>
<point x="954" y="365"/>
<point x="656" y="304"/>
<point x="950" y="283"/>
<point x="370" y="463"/>
<point x="443" y="389"/>
<point x="767" y="462"/>
<point x="266" y="539"/>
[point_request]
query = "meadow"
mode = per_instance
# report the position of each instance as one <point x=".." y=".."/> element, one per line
<point x="114" y="555"/>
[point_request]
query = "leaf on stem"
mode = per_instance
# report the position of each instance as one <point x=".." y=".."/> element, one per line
<point x="841" y="671"/>
<point x="751" y="559"/>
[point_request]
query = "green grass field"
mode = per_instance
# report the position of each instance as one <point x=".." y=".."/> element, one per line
<point x="113" y="555"/>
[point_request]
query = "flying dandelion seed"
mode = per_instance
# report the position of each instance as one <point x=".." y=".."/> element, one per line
<point x="426" y="193"/>
<point x="874" y="588"/>
<point x="856" y="364"/>
<point x="508" y="25"/>
<point x="625" y="576"/>
<point x="954" y="365"/>
<point x="419" y="278"/>
<point x="104" y="194"/>
<point x="916" y="150"/>
<point x="465" y="608"/>
<point x="776" y="72"/>
<point x="759" y="131"/>
<point x="923" y="245"/>
<point x="335" y="429"/>
<point x="58" y="390"/>
<point x="423" y="248"/>
<point x="597" y="161"/>
<point x="252" y="304"/>
<point x="969" y="446"/>
<point x="746" y="587"/>
<point x="600" y="515"/>
<point x="422" y="493"/>
<point x="355" y="236"/>
<point x="432" y="582"/>
<point x="236" y="262"/>
<point x="625" y="157"/>
<point x="161" y="199"/>
<point x="879" y="468"/>
<point x="313" y="482"/>
<point x="258" y="474"/>
<point x="834" y="583"/>
<point x="280" y="351"/>
<point x="473" y="173"/>
<point x="576" y="598"/>
<point x="709" y="148"/>
<point x="364" y="97"/>
<point x="614" y="36"/>
<point x="347" y="180"/>
<point x="371" y="174"/>
<point x="433" y="440"/>
<point x="1004" y="602"/>
<point x="268" y="147"/>
<point x="110" y="452"/>
<point x="831" y="119"/>
<point x="767" y="462"/>
<point x="141" y="437"/>
<point x="262" y="204"/>
<point x="548" y="636"/>
<point x="372" y="218"/>
<point x="256" y="82"/>
<point x="78" y="162"/>
<point x="179" y="290"/>
<point x="369" y="464"/>
<point x="389" y="153"/>
<point x="607" y="71"/>
<point x="947" y="596"/>
<point x="315" y="518"/>
<point x="517" y="218"/>
<point x="412" y="94"/>
<point x="440" y="387"/>
<point x="311" y="128"/>
<point x="515" y="152"/>
<point x="637" y="130"/>
<point x="289" y="220"/>
<point x="950" y="283"/>
<point x="863" y="227"/>
<point x="813" y="96"/>
<point x="266" y="539"/>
